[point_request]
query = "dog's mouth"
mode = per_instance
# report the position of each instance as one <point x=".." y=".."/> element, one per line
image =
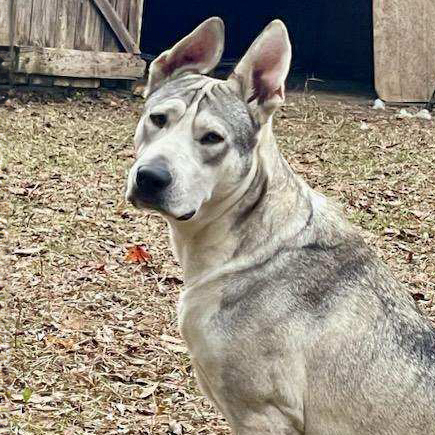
<point x="143" y="202"/>
<point x="186" y="217"/>
<point x="141" y="205"/>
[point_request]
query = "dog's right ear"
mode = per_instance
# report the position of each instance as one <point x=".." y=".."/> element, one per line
<point x="260" y="75"/>
<point x="199" y="52"/>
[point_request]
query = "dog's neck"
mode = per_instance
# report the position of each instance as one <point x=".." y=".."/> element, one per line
<point x="229" y="237"/>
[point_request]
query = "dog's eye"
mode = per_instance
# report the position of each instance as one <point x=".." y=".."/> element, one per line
<point x="211" y="138"/>
<point x="158" y="119"/>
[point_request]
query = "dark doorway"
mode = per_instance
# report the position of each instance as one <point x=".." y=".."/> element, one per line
<point x="332" y="39"/>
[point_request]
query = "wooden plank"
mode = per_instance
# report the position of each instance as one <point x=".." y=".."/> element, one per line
<point x="116" y="24"/>
<point x="21" y="79"/>
<point x="386" y="52"/>
<point x="76" y="83"/>
<point x="430" y="26"/>
<point x="85" y="83"/>
<point x="80" y="64"/>
<point x="62" y="81"/>
<point x="23" y="14"/>
<point x="413" y="50"/>
<point x="4" y="22"/>
<point x="41" y="81"/>
<point x="43" y="23"/>
<point x="111" y="42"/>
<point x="89" y="27"/>
<point x="404" y="35"/>
<point x="67" y="12"/>
<point x="135" y="19"/>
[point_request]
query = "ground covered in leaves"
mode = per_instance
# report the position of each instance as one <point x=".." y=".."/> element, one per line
<point x="88" y="336"/>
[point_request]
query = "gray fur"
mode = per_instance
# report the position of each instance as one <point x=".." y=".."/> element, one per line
<point x="369" y="353"/>
<point x="294" y="325"/>
<point x="236" y="115"/>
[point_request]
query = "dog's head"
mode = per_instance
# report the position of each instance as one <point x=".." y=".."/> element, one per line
<point x="196" y="138"/>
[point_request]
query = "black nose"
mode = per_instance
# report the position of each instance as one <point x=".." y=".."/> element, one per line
<point x="152" y="179"/>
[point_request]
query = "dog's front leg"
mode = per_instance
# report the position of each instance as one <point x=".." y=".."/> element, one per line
<point x="286" y="431"/>
<point x="289" y="431"/>
<point x="250" y="418"/>
<point x="206" y="386"/>
<point x="268" y="421"/>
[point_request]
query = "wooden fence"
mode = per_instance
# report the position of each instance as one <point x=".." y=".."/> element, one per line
<point x="71" y="42"/>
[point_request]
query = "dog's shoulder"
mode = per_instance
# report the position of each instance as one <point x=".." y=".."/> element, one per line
<point x="334" y="270"/>
<point x="330" y="262"/>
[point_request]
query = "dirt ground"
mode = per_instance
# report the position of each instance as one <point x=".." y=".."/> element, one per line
<point x="88" y="339"/>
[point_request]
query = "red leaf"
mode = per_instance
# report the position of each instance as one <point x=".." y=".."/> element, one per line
<point x="137" y="254"/>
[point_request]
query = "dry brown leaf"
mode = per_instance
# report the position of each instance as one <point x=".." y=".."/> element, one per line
<point x="138" y="254"/>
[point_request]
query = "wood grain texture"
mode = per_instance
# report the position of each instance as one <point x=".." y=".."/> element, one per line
<point x="77" y="83"/>
<point x="111" y="42"/>
<point x="55" y="23"/>
<point x="135" y="19"/>
<point x="430" y="25"/>
<point x="89" y="27"/>
<point x="4" y="22"/>
<point x="23" y="14"/>
<point x="43" y="23"/>
<point x="85" y="83"/>
<point x="404" y="35"/>
<point x="62" y="81"/>
<point x="413" y="50"/>
<point x="40" y="81"/>
<point x="117" y="20"/>
<point x="67" y="12"/>
<point x="79" y="64"/>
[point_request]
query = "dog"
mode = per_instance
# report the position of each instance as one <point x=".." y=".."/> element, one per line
<point x="294" y="326"/>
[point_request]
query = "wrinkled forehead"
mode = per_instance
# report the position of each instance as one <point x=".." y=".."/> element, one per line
<point x="187" y="88"/>
<point x="214" y="96"/>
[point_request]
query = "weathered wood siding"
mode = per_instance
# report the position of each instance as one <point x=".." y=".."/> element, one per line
<point x="122" y="9"/>
<point x="66" y="62"/>
<point x="404" y="49"/>
<point x="4" y="22"/>
<point x="75" y="24"/>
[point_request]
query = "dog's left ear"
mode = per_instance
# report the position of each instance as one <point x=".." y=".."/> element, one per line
<point x="260" y="75"/>
<point x="199" y="52"/>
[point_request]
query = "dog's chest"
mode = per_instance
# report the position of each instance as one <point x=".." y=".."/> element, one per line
<point x="212" y="345"/>
<point x="235" y="369"/>
<point x="227" y="353"/>
<point x="196" y="310"/>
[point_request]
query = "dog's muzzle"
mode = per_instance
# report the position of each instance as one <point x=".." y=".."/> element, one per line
<point x="149" y="189"/>
<point x="150" y="182"/>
